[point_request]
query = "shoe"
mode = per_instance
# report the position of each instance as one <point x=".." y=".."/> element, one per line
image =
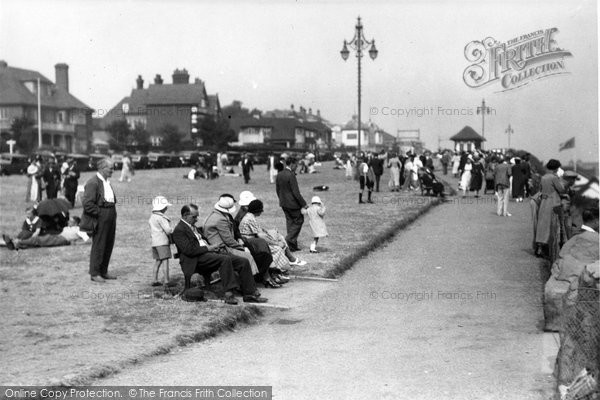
<point x="109" y="276"/>
<point x="98" y="279"/>
<point x="280" y="279"/>
<point x="9" y="243"/>
<point x="298" y="262"/>
<point x="155" y="284"/>
<point x="271" y="284"/>
<point x="230" y="299"/>
<point x="254" y="299"/>
<point x="314" y="251"/>
<point x="508" y="215"/>
<point x="171" y="284"/>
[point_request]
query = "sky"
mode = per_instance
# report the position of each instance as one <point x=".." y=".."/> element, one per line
<point x="271" y="54"/>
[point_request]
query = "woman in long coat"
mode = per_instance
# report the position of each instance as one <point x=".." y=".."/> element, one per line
<point x="465" y="179"/>
<point x="394" y="165"/>
<point x="552" y="187"/>
<point x="519" y="180"/>
<point x="476" y="176"/>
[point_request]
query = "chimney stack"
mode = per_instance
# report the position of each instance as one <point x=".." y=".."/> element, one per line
<point x="158" y="80"/>
<point x="62" y="76"/>
<point x="140" y="82"/>
<point x="181" y="77"/>
<point x="3" y="64"/>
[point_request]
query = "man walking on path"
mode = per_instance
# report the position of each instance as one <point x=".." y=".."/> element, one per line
<point x="291" y="201"/>
<point x="246" y="167"/>
<point x="502" y="185"/>
<point x="100" y="219"/>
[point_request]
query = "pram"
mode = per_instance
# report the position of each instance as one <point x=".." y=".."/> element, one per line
<point x="429" y="183"/>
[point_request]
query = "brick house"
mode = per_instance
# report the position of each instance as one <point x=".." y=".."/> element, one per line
<point x="160" y="104"/>
<point x="66" y="121"/>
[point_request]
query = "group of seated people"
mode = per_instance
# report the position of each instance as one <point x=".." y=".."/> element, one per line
<point x="31" y="234"/>
<point x="233" y="246"/>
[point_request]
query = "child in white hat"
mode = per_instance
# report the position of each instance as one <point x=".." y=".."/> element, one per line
<point x="316" y="212"/>
<point x="160" y="231"/>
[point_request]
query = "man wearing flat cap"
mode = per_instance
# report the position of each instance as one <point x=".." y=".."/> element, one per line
<point x="99" y="219"/>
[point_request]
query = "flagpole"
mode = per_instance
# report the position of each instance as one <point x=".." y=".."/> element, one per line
<point x="39" y="107"/>
<point x="575" y="156"/>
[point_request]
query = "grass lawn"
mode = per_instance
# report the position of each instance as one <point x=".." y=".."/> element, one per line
<point x="62" y="328"/>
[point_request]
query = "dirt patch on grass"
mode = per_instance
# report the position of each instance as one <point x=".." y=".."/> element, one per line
<point x="60" y="328"/>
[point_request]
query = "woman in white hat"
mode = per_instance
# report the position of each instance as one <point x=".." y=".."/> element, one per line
<point x="160" y="231"/>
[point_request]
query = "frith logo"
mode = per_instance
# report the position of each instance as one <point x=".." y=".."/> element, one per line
<point x="515" y="63"/>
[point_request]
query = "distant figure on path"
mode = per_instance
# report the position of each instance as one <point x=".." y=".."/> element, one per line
<point x="291" y="201"/>
<point x="34" y="189"/>
<point x="246" y="167"/>
<point x="71" y="180"/>
<point x="127" y="169"/>
<point x="502" y="186"/>
<point x="51" y="177"/>
<point x="100" y="219"/>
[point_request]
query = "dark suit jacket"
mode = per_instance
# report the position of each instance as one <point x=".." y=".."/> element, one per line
<point x="247" y="166"/>
<point x="287" y="190"/>
<point x="377" y="164"/>
<point x="188" y="247"/>
<point x="52" y="178"/>
<point x="71" y="178"/>
<point x="93" y="199"/>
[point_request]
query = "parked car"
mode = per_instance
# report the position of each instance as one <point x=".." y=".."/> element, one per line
<point x="158" y="160"/>
<point x="140" y="161"/>
<point x="13" y="163"/>
<point x="189" y="157"/>
<point x="93" y="161"/>
<point x="82" y="161"/>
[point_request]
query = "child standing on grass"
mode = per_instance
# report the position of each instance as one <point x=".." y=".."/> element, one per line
<point x="160" y="230"/>
<point x="316" y="212"/>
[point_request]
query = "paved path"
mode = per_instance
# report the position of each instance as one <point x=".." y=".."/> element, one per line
<point x="470" y="329"/>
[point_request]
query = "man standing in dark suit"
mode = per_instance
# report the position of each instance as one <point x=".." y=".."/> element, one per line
<point x="71" y="176"/>
<point x="376" y="162"/>
<point x="246" y="167"/>
<point x="99" y="219"/>
<point x="52" y="178"/>
<point x="291" y="201"/>
<point x="196" y="255"/>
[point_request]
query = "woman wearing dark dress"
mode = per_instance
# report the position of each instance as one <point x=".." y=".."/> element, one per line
<point x="519" y="180"/>
<point x="476" y="176"/>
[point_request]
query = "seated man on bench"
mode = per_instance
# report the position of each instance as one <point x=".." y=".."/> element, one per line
<point x="196" y="255"/>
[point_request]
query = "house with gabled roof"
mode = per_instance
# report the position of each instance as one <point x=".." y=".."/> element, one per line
<point x="467" y="140"/>
<point x="283" y="128"/>
<point x="182" y="103"/>
<point x="373" y="138"/>
<point x="66" y="122"/>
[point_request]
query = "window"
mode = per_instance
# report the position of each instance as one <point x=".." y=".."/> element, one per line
<point x="31" y="86"/>
<point x="61" y="117"/>
<point x="125" y="107"/>
<point x="3" y="113"/>
<point x="351" y="136"/>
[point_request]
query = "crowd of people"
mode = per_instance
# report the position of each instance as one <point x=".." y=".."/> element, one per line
<point x="53" y="176"/>
<point x="231" y="240"/>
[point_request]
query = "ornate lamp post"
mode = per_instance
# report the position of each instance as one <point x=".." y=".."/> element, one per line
<point x="483" y="110"/>
<point x="359" y="43"/>
<point x="509" y="131"/>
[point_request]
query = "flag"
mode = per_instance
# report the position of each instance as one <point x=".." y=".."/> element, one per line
<point x="569" y="144"/>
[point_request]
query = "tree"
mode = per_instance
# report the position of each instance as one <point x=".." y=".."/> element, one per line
<point x="120" y="134"/>
<point x="216" y="133"/>
<point x="21" y="129"/>
<point x="171" y="137"/>
<point x="139" y="137"/>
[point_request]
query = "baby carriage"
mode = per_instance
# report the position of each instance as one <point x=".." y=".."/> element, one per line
<point x="429" y="183"/>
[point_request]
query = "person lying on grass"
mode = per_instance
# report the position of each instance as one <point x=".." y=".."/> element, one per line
<point x="69" y="235"/>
